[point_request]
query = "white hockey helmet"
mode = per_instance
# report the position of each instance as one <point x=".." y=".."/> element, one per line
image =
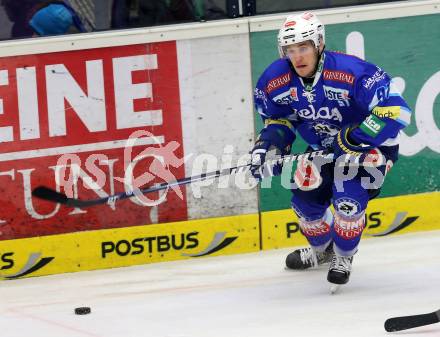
<point x="300" y="28"/>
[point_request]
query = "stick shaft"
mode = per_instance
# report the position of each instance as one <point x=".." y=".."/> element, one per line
<point x="51" y="195"/>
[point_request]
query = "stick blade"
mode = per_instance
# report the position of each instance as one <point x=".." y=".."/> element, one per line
<point x="409" y="322"/>
<point x="46" y="193"/>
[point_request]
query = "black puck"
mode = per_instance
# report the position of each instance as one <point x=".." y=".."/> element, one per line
<point x="83" y="310"/>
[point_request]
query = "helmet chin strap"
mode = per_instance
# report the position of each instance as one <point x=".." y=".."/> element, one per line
<point x="318" y="59"/>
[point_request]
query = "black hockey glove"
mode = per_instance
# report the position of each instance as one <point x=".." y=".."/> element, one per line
<point x="258" y="157"/>
<point x="345" y="145"/>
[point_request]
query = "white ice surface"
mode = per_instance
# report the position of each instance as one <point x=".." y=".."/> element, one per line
<point x="233" y="296"/>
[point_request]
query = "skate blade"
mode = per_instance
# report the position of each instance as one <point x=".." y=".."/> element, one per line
<point x="334" y="288"/>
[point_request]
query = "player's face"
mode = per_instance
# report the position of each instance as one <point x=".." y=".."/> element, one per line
<point x="303" y="56"/>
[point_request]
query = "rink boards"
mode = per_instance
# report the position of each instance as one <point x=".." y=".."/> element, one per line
<point x="384" y="216"/>
<point x="121" y="247"/>
<point x="128" y="246"/>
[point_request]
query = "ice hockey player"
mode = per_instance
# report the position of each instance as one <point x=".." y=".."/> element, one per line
<point x="337" y="102"/>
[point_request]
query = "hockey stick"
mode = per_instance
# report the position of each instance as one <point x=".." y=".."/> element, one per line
<point x="49" y="194"/>
<point x="413" y="321"/>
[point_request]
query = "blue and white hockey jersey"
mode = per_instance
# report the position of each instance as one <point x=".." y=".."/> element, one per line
<point x="346" y="91"/>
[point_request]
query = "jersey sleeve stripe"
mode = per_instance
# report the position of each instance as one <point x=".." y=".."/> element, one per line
<point x="405" y="116"/>
<point x="281" y="121"/>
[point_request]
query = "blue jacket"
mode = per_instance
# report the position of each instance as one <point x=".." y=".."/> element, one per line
<point x="346" y="91"/>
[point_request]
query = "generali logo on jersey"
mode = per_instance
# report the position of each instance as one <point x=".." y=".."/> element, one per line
<point x="278" y="82"/>
<point x="338" y="76"/>
<point x="85" y="103"/>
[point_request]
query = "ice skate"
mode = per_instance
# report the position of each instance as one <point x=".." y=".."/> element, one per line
<point x="305" y="258"/>
<point x="339" y="271"/>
